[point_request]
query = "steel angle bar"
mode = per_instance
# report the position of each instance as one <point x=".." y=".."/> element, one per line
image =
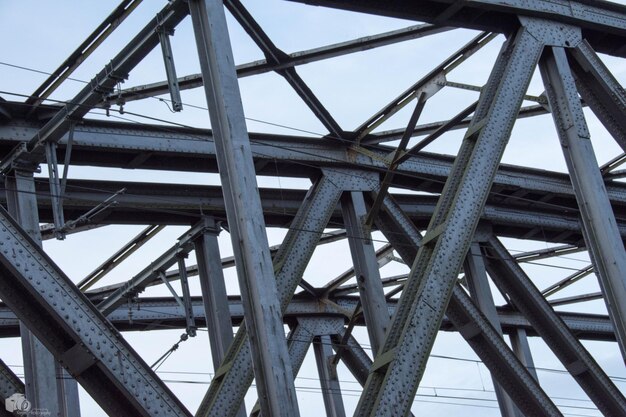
<point x="229" y="386"/>
<point x="104" y="82"/>
<point x="512" y="280"/>
<point x="599" y="225"/>
<point x="429" y="84"/>
<point x="86" y="48"/>
<point x="435" y="129"/>
<point x="119" y="256"/>
<point x="76" y="333"/>
<point x="384" y="255"/>
<point x="567" y="281"/>
<point x="402" y="361"/>
<point x="291" y="60"/>
<point x="519" y="344"/>
<point x="555" y="251"/>
<point x="152" y="272"/>
<point x="600" y="90"/>
<point x="395" y="160"/>
<point x="487" y="342"/>
<point x="275" y="57"/>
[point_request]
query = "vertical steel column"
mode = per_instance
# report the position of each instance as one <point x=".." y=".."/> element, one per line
<point x="262" y="311"/>
<point x="600" y="228"/>
<point x="48" y="385"/>
<point x="519" y="343"/>
<point x="214" y="296"/>
<point x="232" y="379"/>
<point x="299" y="342"/>
<point x="478" y="284"/>
<point x="399" y="366"/>
<point x="365" y="269"/>
<point x="331" y="391"/>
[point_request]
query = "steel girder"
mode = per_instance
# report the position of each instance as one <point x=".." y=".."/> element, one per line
<point x="471" y="323"/>
<point x="603" y="27"/>
<point x="390" y="390"/>
<point x="75" y="332"/>
<point x="113" y="73"/>
<point x="149" y="313"/>
<point x="512" y="280"/>
<point x="272" y="370"/>
<point x="235" y="375"/>
<point x="603" y="23"/>
<point x="599" y="224"/>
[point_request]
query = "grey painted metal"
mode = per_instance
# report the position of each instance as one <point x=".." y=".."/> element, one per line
<point x="47" y="384"/>
<point x="600" y="90"/>
<point x="291" y="59"/>
<point x="75" y="332"/>
<point x="329" y="381"/>
<point x="366" y="268"/>
<point x="123" y="253"/>
<point x="567" y="281"/>
<point x="190" y="322"/>
<point x="152" y="272"/>
<point x="170" y="67"/>
<point x="402" y="361"/>
<point x="257" y="283"/>
<point x="430" y="84"/>
<point x="603" y="22"/>
<point x="55" y="190"/>
<point x="519" y="343"/>
<point x="146" y="202"/>
<point x="600" y="227"/>
<point x="194" y="151"/>
<point x="471" y="323"/>
<point x="232" y="380"/>
<point x="274" y="57"/>
<point x="512" y="280"/>
<point x="150" y="313"/>
<point x="86" y="48"/>
<point x="112" y="74"/>
<point x="214" y="297"/>
<point x="299" y="341"/>
<point x="478" y="284"/>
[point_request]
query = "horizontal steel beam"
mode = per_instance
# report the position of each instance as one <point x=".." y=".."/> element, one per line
<point x="603" y="23"/>
<point x="149" y="313"/>
<point x="184" y="204"/>
<point x="289" y="61"/>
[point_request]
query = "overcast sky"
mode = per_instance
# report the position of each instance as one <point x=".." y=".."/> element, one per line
<point x="38" y="35"/>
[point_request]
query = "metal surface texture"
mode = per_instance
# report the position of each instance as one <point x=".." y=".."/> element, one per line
<point x="397" y="224"/>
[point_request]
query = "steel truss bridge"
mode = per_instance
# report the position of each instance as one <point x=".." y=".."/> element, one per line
<point x="449" y="230"/>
